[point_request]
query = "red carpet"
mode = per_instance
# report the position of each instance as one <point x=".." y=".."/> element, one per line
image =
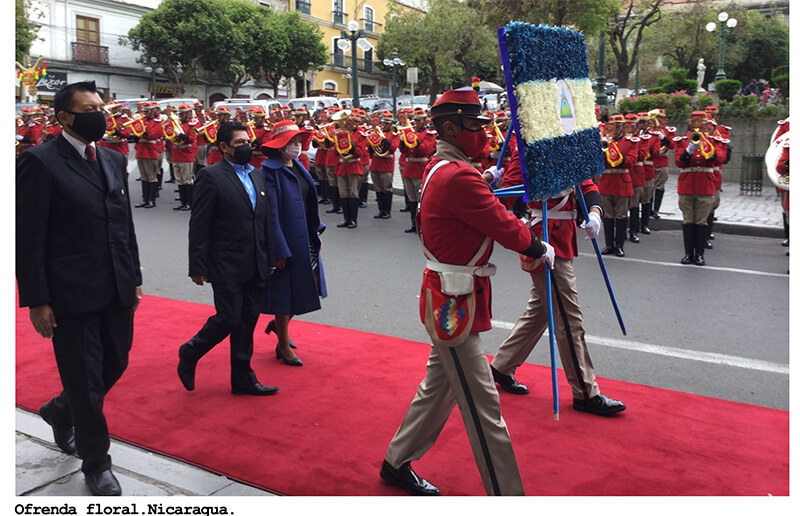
<point x="326" y="431"/>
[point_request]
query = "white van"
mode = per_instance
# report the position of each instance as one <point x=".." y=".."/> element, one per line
<point x="311" y="103"/>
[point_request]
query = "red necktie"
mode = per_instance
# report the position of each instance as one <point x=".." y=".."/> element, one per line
<point x="90" y="156"/>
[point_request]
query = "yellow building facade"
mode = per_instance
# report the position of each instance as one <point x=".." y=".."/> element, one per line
<point x="333" y="17"/>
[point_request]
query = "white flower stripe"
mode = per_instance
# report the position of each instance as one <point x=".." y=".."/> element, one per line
<point x="539" y="103"/>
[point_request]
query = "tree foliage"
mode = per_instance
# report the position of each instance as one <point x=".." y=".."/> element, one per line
<point x="26" y="29"/>
<point x="449" y="44"/>
<point x="757" y="45"/>
<point x="625" y="34"/>
<point x="676" y="80"/>
<point x="298" y="48"/>
<point x="589" y="16"/>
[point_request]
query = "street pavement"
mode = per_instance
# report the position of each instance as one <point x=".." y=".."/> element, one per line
<point x="41" y="470"/>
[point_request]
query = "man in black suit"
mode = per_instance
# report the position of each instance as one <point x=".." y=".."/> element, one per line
<point x="231" y="247"/>
<point x="78" y="272"/>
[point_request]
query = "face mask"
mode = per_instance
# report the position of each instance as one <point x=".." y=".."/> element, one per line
<point x="90" y="125"/>
<point x="291" y="150"/>
<point x="472" y="142"/>
<point x="242" y="154"/>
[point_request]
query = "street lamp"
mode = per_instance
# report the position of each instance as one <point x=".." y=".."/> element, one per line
<point x="153" y="69"/>
<point x="601" y="99"/>
<point x="355" y="35"/>
<point x="394" y="61"/>
<point x="348" y="76"/>
<point x="726" y="24"/>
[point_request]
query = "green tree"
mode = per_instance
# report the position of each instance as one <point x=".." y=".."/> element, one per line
<point x="449" y="44"/>
<point x="588" y="16"/>
<point x="758" y="44"/>
<point x="625" y="34"/>
<point x="294" y="48"/>
<point x="26" y="29"/>
<point x="676" y="80"/>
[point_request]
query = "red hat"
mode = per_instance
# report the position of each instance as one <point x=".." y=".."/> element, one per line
<point x="222" y="110"/>
<point x="27" y="111"/>
<point x="284" y="131"/>
<point x="616" y="119"/>
<point x="256" y="111"/>
<point x="420" y="113"/>
<point x="197" y="103"/>
<point x="112" y="104"/>
<point x="501" y="115"/>
<point x="700" y="114"/>
<point x="712" y="109"/>
<point x="631" y="117"/>
<point x="642" y="116"/>
<point x="463" y="101"/>
<point x="300" y="111"/>
<point x="286" y="108"/>
<point x="386" y="116"/>
<point x="184" y="108"/>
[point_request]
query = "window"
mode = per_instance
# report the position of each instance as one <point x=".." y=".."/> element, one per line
<point x="369" y="18"/>
<point x="303" y="6"/>
<point x="338" y="55"/>
<point x="88" y="30"/>
<point x="329" y="85"/>
<point x="338" y="11"/>
<point x="368" y="60"/>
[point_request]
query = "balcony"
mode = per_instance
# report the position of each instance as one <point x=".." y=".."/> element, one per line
<point x="87" y="53"/>
<point x="343" y="61"/>
<point x="339" y="17"/>
<point x="303" y="6"/>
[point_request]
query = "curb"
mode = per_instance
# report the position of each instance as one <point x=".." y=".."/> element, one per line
<point x="731" y="228"/>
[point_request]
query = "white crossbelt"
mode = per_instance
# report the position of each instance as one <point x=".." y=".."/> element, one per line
<point x="554" y="213"/>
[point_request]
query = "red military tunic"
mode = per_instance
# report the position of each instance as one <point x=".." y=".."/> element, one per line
<point x="637" y="169"/>
<point x="150" y="142"/>
<point x="214" y="155"/>
<point x="417" y="159"/>
<point x="262" y="135"/>
<point x="386" y="163"/>
<point x="660" y="158"/>
<point x="118" y="140"/>
<point x="457" y="211"/>
<point x="32" y="132"/>
<point x="652" y="144"/>
<point x="697" y="173"/>
<point x="303" y="157"/>
<point x="185" y="151"/>
<point x="52" y="131"/>
<point x="616" y="180"/>
<point x="351" y="165"/>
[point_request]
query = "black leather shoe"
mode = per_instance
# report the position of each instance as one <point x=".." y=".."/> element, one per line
<point x="271" y="327"/>
<point x="709" y="245"/>
<point x="103" y="483"/>
<point x="634" y="238"/>
<point x="256" y="389"/>
<point x="645" y="230"/>
<point x="785" y="243"/>
<point x="288" y="361"/>
<point x="407" y="478"/>
<point x="362" y="204"/>
<point x="508" y="382"/>
<point x="63" y="435"/>
<point x="686" y="260"/>
<point x="352" y="224"/>
<point x="699" y="260"/>
<point x="618" y="251"/>
<point x="186" y="369"/>
<point x="386" y="215"/>
<point x="406" y="209"/>
<point x="410" y="229"/>
<point x="711" y="236"/>
<point x="607" y="250"/>
<point x="655" y="215"/>
<point x="601" y="405"/>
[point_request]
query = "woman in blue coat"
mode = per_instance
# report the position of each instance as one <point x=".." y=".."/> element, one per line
<point x="299" y="282"/>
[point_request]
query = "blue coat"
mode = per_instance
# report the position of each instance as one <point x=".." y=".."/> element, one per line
<point x="292" y="290"/>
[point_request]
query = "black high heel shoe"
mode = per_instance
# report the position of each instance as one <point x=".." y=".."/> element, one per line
<point x="271" y="327"/>
<point x="292" y="362"/>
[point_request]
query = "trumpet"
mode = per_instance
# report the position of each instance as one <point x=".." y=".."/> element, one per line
<point x="695" y="137"/>
<point x="201" y="129"/>
<point x="340" y="118"/>
<point x="397" y="129"/>
<point x="605" y="142"/>
<point x="136" y="117"/>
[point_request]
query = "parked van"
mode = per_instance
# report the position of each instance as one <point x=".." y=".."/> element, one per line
<point x="243" y="104"/>
<point x="311" y="103"/>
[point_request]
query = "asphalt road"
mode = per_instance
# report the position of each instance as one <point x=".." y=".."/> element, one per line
<point x="720" y="330"/>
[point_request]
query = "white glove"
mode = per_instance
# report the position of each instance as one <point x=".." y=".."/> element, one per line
<point x="497" y="173"/>
<point x="549" y="256"/>
<point x="18" y="137"/>
<point x="691" y="148"/>
<point x="591" y="226"/>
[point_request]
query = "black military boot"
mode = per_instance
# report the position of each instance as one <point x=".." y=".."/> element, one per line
<point x="408" y="203"/>
<point x="658" y="195"/>
<point x="181" y="198"/>
<point x="171" y="175"/>
<point x="323" y="193"/>
<point x="413" y="212"/>
<point x="700" y="239"/>
<point x="387" y="204"/>
<point x="608" y="231"/>
<point x="153" y="194"/>
<point x="345" y="206"/>
<point x="354" y="206"/>
<point x="785" y="242"/>
<point x="336" y="206"/>
<point x="145" y="195"/>
<point x="619" y="236"/>
<point x="688" y="244"/>
<point x="710" y="230"/>
<point x="362" y="195"/>
<point x="187" y="197"/>
<point x="644" y="226"/>
<point x="633" y="218"/>
<point x="379" y="202"/>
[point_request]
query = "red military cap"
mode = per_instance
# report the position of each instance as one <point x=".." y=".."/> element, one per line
<point x="286" y="108"/>
<point x="463" y="101"/>
<point x="284" y="131"/>
<point x="420" y="113"/>
<point x="631" y="117"/>
<point x="698" y="114"/>
<point x="386" y="116"/>
<point x="275" y="110"/>
<point x="197" y="103"/>
<point x="300" y="111"/>
<point x="501" y="115"/>
<point x="183" y="108"/>
<point x="642" y="116"/>
<point x="112" y="104"/>
<point x="616" y="119"/>
<point x="223" y="110"/>
<point x="712" y="109"/>
<point x="257" y="111"/>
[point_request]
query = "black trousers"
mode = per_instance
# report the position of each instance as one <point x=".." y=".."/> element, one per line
<point x="92" y="353"/>
<point x="237" y="315"/>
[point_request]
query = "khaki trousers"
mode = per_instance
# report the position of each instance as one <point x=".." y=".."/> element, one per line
<point x="412" y="187"/>
<point x="331" y="176"/>
<point x="661" y="177"/>
<point x="148" y="168"/>
<point x="638" y="197"/>
<point x="530" y="327"/>
<point x="695" y="208"/>
<point x="348" y="186"/>
<point x="649" y="188"/>
<point x="183" y="172"/>
<point x="201" y="155"/>
<point x="615" y="207"/>
<point x="382" y="181"/>
<point x="467" y="382"/>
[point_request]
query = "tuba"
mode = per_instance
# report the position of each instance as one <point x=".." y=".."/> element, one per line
<point x="772" y="159"/>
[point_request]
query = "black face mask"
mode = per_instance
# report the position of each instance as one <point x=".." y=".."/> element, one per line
<point x="242" y="154"/>
<point x="89" y="125"/>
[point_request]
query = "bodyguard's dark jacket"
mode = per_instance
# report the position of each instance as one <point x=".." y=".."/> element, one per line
<point x="76" y="245"/>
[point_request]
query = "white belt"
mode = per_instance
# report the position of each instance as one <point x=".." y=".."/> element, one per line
<point x="697" y="169"/>
<point x="555" y="212"/>
<point x="417" y="160"/>
<point x="640" y="163"/>
<point x="147" y="141"/>
<point x="349" y="160"/>
<point x="616" y="171"/>
<point x="473" y="270"/>
<point x="647" y="162"/>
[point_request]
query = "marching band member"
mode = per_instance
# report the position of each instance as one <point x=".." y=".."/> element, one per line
<point x="417" y="146"/>
<point x="664" y="133"/>
<point x="29" y="134"/>
<point x="223" y="114"/>
<point x="260" y="133"/>
<point x="331" y="161"/>
<point x="320" y="141"/>
<point x="53" y="128"/>
<point x="147" y="154"/>
<point x="721" y="131"/>
<point x="637" y="175"/>
<point x="696" y="155"/>
<point x="350" y="146"/>
<point x="117" y="133"/>
<point x="382" y="163"/>
<point x="615" y="184"/>
<point x="652" y="143"/>
<point x="184" y="154"/>
<point x="529" y="328"/>
<point x="301" y="119"/>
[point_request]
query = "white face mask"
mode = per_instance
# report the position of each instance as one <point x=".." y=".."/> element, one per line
<point x="292" y="150"/>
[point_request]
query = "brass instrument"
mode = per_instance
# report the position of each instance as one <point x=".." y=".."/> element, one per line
<point x="397" y="128"/>
<point x="780" y="178"/>
<point x="198" y="130"/>
<point x="136" y="117"/>
<point x="695" y="137"/>
<point x="340" y="118"/>
<point x="605" y="142"/>
<point x="379" y="148"/>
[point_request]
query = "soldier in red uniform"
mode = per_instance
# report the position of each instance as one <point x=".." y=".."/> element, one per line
<point x="223" y="114"/>
<point x="783" y="168"/>
<point x="350" y="146"/>
<point x="652" y="143"/>
<point x="382" y="165"/>
<point x="330" y="163"/>
<point x="29" y="134"/>
<point x="459" y="219"/>
<point x="360" y="117"/>
<point x="529" y="328"/>
<point x="722" y="132"/>
<point x="636" y="171"/>
<point x="320" y="141"/>
<point x="52" y="127"/>
<point x="184" y="154"/>
<point x="260" y="131"/>
<point x="664" y="133"/>
<point x="416" y="147"/>
<point x="615" y="183"/>
<point x="201" y="142"/>
<point x="696" y="185"/>
<point x="117" y="137"/>
<point x="300" y="116"/>
<point x="147" y="148"/>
